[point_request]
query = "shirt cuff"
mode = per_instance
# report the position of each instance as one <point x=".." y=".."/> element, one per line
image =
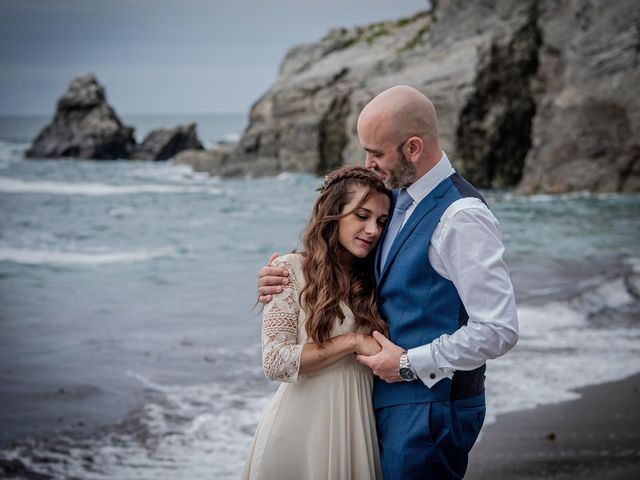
<point x="422" y="361"/>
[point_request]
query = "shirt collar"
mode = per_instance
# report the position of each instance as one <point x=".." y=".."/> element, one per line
<point x="430" y="180"/>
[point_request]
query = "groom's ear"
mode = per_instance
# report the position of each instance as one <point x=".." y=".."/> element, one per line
<point x="415" y="147"/>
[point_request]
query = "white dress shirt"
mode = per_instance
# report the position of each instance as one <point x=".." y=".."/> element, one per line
<point x="466" y="248"/>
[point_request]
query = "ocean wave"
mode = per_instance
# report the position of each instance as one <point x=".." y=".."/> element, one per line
<point x="12" y="151"/>
<point x="171" y="172"/>
<point x="589" y="298"/>
<point x="551" y="197"/>
<point x="548" y="369"/>
<point x="565" y="344"/>
<point x="13" y="185"/>
<point x="53" y="257"/>
<point x="202" y="431"/>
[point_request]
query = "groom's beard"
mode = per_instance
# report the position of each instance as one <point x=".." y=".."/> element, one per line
<point x="402" y="174"/>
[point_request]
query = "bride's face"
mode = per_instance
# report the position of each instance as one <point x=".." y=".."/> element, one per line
<point x="360" y="230"/>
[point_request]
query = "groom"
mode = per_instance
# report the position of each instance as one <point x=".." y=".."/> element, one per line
<point x="443" y="288"/>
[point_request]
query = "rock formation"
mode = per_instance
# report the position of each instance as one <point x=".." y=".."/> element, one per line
<point x="164" y="143"/>
<point x="84" y="126"/>
<point x="586" y="132"/>
<point x="209" y="161"/>
<point x="537" y="93"/>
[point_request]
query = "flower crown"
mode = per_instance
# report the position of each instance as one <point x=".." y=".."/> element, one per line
<point x="323" y="187"/>
<point x="348" y="173"/>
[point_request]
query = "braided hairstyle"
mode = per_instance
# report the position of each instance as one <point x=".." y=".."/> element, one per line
<point x="327" y="280"/>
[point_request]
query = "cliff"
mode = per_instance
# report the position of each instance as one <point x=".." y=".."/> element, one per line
<point x="540" y="94"/>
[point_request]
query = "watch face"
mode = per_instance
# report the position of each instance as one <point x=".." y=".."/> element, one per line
<point x="406" y="373"/>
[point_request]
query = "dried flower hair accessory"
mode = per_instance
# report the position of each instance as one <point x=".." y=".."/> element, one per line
<point x="322" y="187"/>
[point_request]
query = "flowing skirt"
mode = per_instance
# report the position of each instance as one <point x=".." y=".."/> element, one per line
<point x="321" y="428"/>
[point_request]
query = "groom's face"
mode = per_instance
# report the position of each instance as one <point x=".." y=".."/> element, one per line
<point x="390" y="163"/>
<point x="384" y="155"/>
<point x="381" y="155"/>
<point x="402" y="173"/>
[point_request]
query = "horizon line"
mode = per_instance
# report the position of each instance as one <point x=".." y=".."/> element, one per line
<point x="121" y="114"/>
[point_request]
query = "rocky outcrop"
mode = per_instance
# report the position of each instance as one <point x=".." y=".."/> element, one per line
<point x="165" y="143"/>
<point x="84" y="126"/>
<point x="210" y="161"/>
<point x="536" y="93"/>
<point x="306" y="122"/>
<point x="586" y="133"/>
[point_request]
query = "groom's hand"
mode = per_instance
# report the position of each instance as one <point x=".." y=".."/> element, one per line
<point x="386" y="363"/>
<point x="270" y="280"/>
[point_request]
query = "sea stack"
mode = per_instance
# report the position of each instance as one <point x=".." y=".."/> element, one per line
<point x="84" y="126"/>
<point x="165" y="143"/>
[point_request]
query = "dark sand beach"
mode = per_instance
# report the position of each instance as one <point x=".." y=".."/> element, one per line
<point x="594" y="437"/>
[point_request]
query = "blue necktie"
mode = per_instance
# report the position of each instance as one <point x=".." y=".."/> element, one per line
<point x="402" y="203"/>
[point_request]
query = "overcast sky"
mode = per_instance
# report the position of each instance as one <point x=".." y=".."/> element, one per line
<point x="164" y="56"/>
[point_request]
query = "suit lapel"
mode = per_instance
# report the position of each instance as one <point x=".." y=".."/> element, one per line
<point x="377" y="268"/>
<point x="424" y="207"/>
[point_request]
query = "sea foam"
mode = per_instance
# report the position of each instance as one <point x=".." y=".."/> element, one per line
<point x="12" y="185"/>
<point x="53" y="257"/>
<point x="196" y="431"/>
<point x="568" y="344"/>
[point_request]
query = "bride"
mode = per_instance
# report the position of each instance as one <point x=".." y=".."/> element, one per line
<point x="320" y="423"/>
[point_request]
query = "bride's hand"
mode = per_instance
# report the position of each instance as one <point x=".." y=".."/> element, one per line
<point x="366" y="345"/>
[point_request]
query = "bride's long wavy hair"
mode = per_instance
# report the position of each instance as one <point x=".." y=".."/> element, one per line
<point x="328" y="281"/>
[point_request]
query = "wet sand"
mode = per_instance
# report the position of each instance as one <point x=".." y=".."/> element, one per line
<point x="594" y="437"/>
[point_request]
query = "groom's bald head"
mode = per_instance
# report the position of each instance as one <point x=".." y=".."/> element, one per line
<point x="400" y="118"/>
<point x="403" y="112"/>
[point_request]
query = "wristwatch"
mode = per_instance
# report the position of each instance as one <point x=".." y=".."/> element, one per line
<point x="405" y="370"/>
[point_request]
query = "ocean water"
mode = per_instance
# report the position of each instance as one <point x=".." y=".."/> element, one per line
<point x="129" y="341"/>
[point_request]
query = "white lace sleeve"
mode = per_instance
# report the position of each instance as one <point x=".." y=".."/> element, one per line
<point x="280" y="349"/>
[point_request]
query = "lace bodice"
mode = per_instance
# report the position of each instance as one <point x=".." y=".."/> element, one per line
<point x="283" y="329"/>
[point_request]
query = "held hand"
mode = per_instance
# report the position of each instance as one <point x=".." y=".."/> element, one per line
<point x="385" y="363"/>
<point x="271" y="279"/>
<point x="367" y="345"/>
